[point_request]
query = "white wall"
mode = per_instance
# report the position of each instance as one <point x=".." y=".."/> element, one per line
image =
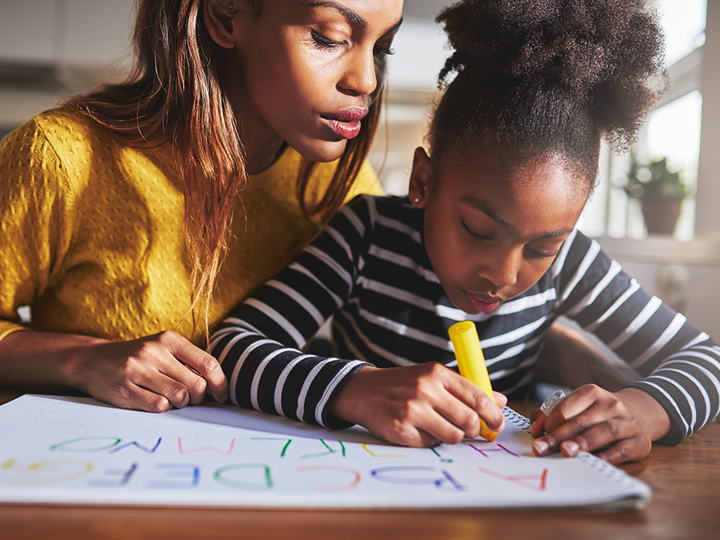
<point x="86" y="33"/>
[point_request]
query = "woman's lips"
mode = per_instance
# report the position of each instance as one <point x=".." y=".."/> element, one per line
<point x="483" y="303"/>
<point x="345" y="123"/>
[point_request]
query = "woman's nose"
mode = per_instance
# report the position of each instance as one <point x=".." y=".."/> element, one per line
<point x="360" y="77"/>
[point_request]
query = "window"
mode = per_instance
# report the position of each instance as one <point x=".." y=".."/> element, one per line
<point x="672" y="131"/>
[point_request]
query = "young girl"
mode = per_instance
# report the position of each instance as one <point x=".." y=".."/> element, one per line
<point x="115" y="210"/>
<point x="487" y="234"/>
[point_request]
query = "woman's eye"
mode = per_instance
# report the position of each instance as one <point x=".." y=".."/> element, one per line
<point x="323" y="42"/>
<point x="381" y="51"/>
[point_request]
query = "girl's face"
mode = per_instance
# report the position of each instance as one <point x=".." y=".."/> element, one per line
<point x="304" y="71"/>
<point x="493" y="228"/>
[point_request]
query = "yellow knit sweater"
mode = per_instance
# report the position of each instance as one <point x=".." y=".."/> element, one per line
<point x="91" y="232"/>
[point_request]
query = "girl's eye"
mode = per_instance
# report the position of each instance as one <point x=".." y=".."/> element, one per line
<point x="537" y="254"/>
<point x="472" y="233"/>
<point x="323" y="42"/>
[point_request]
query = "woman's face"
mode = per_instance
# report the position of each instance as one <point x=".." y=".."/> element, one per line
<point x="304" y="71"/>
<point x="493" y="227"/>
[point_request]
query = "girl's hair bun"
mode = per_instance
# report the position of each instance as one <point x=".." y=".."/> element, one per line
<point x="606" y="53"/>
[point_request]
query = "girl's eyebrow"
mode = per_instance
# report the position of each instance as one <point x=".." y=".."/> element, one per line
<point x="481" y="206"/>
<point x="350" y="15"/>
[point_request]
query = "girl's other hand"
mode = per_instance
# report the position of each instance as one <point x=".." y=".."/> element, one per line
<point x="153" y="374"/>
<point x="417" y="405"/>
<point x="619" y="426"/>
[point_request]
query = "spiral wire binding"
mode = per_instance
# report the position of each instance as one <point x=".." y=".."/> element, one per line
<point x="516" y="418"/>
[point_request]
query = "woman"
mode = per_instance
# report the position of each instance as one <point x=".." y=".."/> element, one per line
<point x="116" y="210"/>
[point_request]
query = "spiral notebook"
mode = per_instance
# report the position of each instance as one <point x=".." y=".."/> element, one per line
<point x="80" y="451"/>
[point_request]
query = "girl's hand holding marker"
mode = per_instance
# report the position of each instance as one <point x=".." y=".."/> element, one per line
<point x="418" y="405"/>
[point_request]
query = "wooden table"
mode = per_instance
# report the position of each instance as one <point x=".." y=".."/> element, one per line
<point x="686" y="504"/>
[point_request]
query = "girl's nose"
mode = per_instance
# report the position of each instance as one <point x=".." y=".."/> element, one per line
<point x="503" y="268"/>
<point x="360" y="77"/>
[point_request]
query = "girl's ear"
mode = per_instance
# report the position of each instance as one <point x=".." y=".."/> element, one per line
<point x="420" y="178"/>
<point x="219" y="16"/>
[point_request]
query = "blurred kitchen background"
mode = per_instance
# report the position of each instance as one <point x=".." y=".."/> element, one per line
<point x="49" y="48"/>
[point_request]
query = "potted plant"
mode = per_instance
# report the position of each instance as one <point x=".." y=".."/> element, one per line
<point x="660" y="192"/>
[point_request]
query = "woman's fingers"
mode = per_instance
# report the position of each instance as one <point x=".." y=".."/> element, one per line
<point x="137" y="398"/>
<point x="206" y="366"/>
<point x="153" y="373"/>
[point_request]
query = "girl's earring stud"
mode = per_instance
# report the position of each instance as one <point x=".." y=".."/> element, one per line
<point x="416" y="199"/>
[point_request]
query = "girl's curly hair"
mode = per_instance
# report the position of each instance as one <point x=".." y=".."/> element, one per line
<point x="549" y="76"/>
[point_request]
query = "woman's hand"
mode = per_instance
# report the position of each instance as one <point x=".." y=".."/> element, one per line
<point x="618" y="426"/>
<point x="417" y="405"/>
<point x="152" y="374"/>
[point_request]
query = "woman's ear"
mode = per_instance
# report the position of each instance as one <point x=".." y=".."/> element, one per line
<point x="420" y="178"/>
<point x="219" y="16"/>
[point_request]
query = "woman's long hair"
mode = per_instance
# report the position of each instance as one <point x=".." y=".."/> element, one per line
<point x="175" y="94"/>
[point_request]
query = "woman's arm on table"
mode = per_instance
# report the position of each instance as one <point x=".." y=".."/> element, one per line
<point x="152" y="374"/>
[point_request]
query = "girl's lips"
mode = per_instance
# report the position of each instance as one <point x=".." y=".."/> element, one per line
<point x="483" y="303"/>
<point x="345" y="123"/>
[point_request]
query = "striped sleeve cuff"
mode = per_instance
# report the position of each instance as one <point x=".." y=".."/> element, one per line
<point x="264" y="375"/>
<point x="687" y="385"/>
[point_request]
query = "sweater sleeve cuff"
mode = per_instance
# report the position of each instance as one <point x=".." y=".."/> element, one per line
<point x="7" y="328"/>
<point x="327" y="420"/>
<point x="677" y="430"/>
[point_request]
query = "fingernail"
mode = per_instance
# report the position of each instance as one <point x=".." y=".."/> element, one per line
<point x="570" y="447"/>
<point x="541" y="446"/>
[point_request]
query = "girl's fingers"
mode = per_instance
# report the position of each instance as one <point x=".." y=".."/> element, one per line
<point x="409" y="433"/>
<point x="450" y="421"/>
<point x="571" y="428"/>
<point x="599" y="436"/>
<point x="537" y="423"/>
<point x="500" y="399"/>
<point x="579" y="401"/>
<point x="607" y="423"/>
<point x="470" y="403"/>
<point x="627" y="450"/>
<point x="441" y="429"/>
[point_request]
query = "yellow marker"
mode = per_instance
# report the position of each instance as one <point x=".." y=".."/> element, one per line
<point x="472" y="363"/>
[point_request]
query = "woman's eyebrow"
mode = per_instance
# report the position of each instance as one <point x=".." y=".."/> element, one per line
<point x="350" y="15"/>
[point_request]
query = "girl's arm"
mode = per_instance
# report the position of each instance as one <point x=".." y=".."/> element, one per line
<point x="259" y="347"/>
<point x="260" y="344"/>
<point x="680" y="391"/>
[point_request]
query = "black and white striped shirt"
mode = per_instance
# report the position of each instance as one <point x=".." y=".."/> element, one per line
<point x="370" y="270"/>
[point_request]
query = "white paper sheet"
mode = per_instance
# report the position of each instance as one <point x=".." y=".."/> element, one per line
<point x="78" y="450"/>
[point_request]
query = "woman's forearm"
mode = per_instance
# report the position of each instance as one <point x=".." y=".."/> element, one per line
<point x="32" y="360"/>
<point x="153" y="373"/>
